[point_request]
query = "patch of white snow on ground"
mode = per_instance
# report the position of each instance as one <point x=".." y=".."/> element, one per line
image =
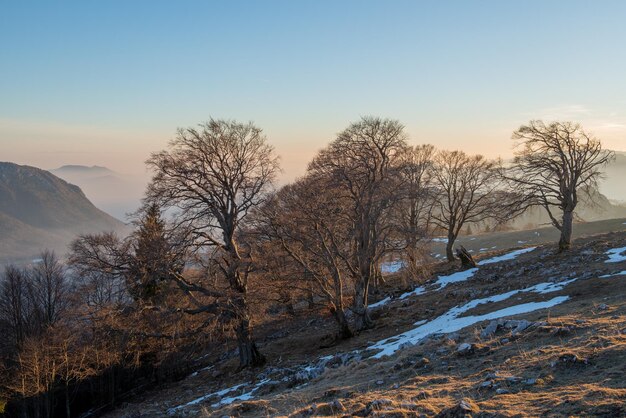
<point x="549" y="287"/>
<point x="415" y="292"/>
<point x="201" y="370"/>
<point x="243" y="397"/>
<point x="439" y="239"/>
<point x="619" y="273"/>
<point x="460" y="276"/>
<point x="506" y="257"/>
<point x="205" y="397"/>
<point x="452" y="320"/>
<point x="380" y="303"/>
<point x="391" y="266"/>
<point x="616" y="255"/>
<point x="219" y="394"/>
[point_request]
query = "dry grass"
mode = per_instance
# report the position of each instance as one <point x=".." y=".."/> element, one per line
<point x="573" y="364"/>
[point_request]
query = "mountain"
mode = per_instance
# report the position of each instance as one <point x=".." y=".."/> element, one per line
<point x="615" y="173"/>
<point x="115" y="193"/>
<point x="92" y="171"/>
<point x="589" y="209"/>
<point x="38" y="210"/>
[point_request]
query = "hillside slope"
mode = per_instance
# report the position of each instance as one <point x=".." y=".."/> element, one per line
<point x="39" y="210"/>
<point x="527" y="333"/>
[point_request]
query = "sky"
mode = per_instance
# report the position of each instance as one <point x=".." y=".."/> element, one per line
<point x="109" y="82"/>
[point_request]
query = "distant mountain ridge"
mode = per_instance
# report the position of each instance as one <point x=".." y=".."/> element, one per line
<point x="39" y="210"/>
<point x="116" y="193"/>
<point x="613" y="184"/>
<point x="76" y="168"/>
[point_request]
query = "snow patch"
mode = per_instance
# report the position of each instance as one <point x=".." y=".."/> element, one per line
<point x="452" y="320"/>
<point x="549" y="287"/>
<point x="243" y="397"/>
<point x="391" y="266"/>
<point x="205" y="397"/>
<point x="619" y="273"/>
<point x="415" y="292"/>
<point x="220" y="394"/>
<point x="506" y="257"/>
<point x="616" y="255"/>
<point x="380" y="303"/>
<point x="443" y="281"/>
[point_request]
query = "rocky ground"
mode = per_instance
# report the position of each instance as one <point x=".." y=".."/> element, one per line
<point x="533" y="333"/>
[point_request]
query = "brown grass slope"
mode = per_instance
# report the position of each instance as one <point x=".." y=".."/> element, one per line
<point x="570" y="362"/>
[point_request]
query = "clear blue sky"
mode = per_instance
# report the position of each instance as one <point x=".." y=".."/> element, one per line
<point x="107" y="82"/>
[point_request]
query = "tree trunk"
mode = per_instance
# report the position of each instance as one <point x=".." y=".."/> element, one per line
<point x="566" y="230"/>
<point x="339" y="308"/>
<point x="37" y="406"/>
<point x="361" y="316"/>
<point x="449" y="246"/>
<point x="47" y="404"/>
<point x="112" y="385"/>
<point x="68" y="411"/>
<point x="467" y="261"/>
<point x="309" y="297"/>
<point x="249" y="354"/>
<point x="344" y="328"/>
<point x="412" y="261"/>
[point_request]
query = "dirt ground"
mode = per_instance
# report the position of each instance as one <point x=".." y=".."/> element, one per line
<point x="570" y="362"/>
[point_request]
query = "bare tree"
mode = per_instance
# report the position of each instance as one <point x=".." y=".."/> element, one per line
<point x="49" y="288"/>
<point x="360" y="166"/>
<point x="312" y="229"/>
<point x="15" y="306"/>
<point x="102" y="264"/>
<point x="214" y="176"/>
<point x="139" y="277"/>
<point x="413" y="213"/>
<point x="553" y="162"/>
<point x="467" y="192"/>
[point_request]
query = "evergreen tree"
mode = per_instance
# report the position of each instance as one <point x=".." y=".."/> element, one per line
<point x="156" y="258"/>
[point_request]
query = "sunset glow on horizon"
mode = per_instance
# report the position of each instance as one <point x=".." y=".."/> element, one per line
<point x="109" y="83"/>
